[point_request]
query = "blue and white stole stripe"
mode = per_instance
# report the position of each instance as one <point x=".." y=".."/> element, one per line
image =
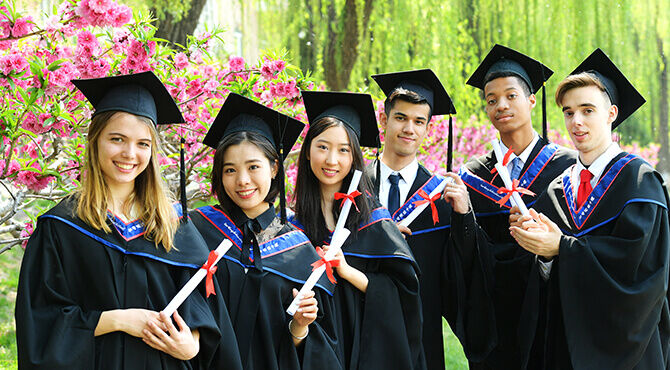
<point x="134" y="229"/>
<point x="581" y="215"/>
<point x="225" y="225"/>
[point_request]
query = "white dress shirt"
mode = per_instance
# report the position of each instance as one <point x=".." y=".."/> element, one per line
<point x="523" y="157"/>
<point x="408" y="176"/>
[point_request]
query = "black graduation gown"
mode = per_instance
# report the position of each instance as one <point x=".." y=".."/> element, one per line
<point x="71" y="273"/>
<point x="510" y="263"/>
<point x="258" y="299"/>
<point x="445" y="274"/>
<point x="381" y="328"/>
<point x="605" y="305"/>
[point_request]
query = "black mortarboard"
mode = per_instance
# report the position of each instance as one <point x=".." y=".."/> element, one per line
<point x="141" y="94"/>
<point x="502" y="59"/>
<point x="240" y="114"/>
<point x="620" y="91"/>
<point x="423" y="82"/>
<point x="354" y="109"/>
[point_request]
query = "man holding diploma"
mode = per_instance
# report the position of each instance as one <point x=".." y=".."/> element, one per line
<point x="509" y="80"/>
<point x="604" y="225"/>
<point x="402" y="184"/>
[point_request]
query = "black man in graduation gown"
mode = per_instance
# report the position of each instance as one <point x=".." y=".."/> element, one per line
<point x="413" y="97"/>
<point x="509" y="80"/>
<point x="597" y="297"/>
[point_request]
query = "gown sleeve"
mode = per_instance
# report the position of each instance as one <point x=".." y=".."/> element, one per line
<point x="392" y="318"/>
<point x="52" y="331"/>
<point x="613" y="289"/>
<point x="468" y="274"/>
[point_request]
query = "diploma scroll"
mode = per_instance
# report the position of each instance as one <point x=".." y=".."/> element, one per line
<point x="339" y="237"/>
<point x="192" y="284"/>
<point x="507" y="180"/>
<point x="417" y="211"/>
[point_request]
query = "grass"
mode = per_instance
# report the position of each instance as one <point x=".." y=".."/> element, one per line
<point x="9" y="277"/>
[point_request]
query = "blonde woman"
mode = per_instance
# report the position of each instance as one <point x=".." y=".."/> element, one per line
<point x="102" y="263"/>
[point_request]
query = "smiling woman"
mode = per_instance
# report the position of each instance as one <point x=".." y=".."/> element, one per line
<point x="102" y="263"/>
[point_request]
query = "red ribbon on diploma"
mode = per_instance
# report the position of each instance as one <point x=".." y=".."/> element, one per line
<point x="505" y="160"/>
<point x="349" y="196"/>
<point x="509" y="192"/>
<point x="329" y="264"/>
<point x="210" y="267"/>
<point x="433" y="209"/>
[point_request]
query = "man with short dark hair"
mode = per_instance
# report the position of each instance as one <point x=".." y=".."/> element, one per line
<point x="451" y="280"/>
<point x="509" y="80"/>
<point x="603" y="225"/>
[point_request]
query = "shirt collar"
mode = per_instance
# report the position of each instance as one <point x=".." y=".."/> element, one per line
<point x="598" y="166"/>
<point x="264" y="219"/>
<point x="526" y="152"/>
<point x="408" y="173"/>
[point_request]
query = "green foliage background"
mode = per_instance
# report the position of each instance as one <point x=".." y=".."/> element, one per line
<point x="451" y="37"/>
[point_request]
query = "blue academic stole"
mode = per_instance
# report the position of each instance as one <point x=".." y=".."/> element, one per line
<point x="527" y="179"/>
<point x="376" y="215"/>
<point x="133" y="229"/>
<point x="225" y="225"/>
<point x="581" y="215"/>
<point x="409" y="205"/>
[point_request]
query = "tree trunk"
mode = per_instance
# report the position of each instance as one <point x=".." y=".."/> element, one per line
<point x="664" y="153"/>
<point x="176" y="32"/>
<point x="341" y="51"/>
<point x="308" y="45"/>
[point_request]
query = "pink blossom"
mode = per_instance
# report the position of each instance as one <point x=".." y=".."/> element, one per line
<point x="22" y="26"/>
<point x="33" y="124"/>
<point x="119" y="15"/>
<point x="98" y="68"/>
<point x="34" y="181"/>
<point x="100" y="6"/>
<point x="62" y="76"/>
<point x="12" y="63"/>
<point x="26" y="232"/>
<point x="180" y="60"/>
<point x="5" y="28"/>
<point x="236" y="63"/>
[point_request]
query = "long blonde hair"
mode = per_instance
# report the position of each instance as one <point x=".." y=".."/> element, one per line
<point x="150" y="195"/>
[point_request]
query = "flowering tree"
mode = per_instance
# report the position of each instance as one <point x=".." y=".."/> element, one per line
<point x="44" y="119"/>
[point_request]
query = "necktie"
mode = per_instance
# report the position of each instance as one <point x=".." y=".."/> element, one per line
<point x="584" y="187"/>
<point x="394" y="193"/>
<point x="516" y="168"/>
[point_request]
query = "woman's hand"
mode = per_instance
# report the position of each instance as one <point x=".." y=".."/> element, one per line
<point x="182" y="343"/>
<point x="305" y="315"/>
<point x="349" y="273"/>
<point x="130" y="321"/>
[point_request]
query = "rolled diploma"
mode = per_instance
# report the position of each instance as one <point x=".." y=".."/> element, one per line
<point x="504" y="175"/>
<point x="190" y="286"/>
<point x="336" y="243"/>
<point x="417" y="211"/>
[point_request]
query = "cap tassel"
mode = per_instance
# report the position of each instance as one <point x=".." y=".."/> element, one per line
<point x="450" y="145"/>
<point x="182" y="179"/>
<point x="544" y="112"/>
<point x="282" y="184"/>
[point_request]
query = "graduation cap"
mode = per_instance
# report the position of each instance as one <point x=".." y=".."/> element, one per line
<point x="240" y="114"/>
<point x="620" y="91"/>
<point x="502" y="59"/>
<point x="141" y="94"/>
<point x="425" y="83"/>
<point x="354" y="109"/>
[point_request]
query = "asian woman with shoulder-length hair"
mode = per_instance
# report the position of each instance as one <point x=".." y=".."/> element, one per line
<point x="270" y="259"/>
<point x="103" y="262"/>
<point x="377" y="292"/>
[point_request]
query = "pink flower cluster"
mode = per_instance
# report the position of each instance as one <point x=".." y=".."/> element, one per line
<point x="34" y="181"/>
<point x="28" y="229"/>
<point x="13" y="63"/>
<point x="271" y="68"/>
<point x="86" y="60"/>
<point x="103" y="13"/>
<point x="279" y="89"/>
<point x="138" y="56"/>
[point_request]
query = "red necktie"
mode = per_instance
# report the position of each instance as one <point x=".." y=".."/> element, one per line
<point x="584" y="187"/>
